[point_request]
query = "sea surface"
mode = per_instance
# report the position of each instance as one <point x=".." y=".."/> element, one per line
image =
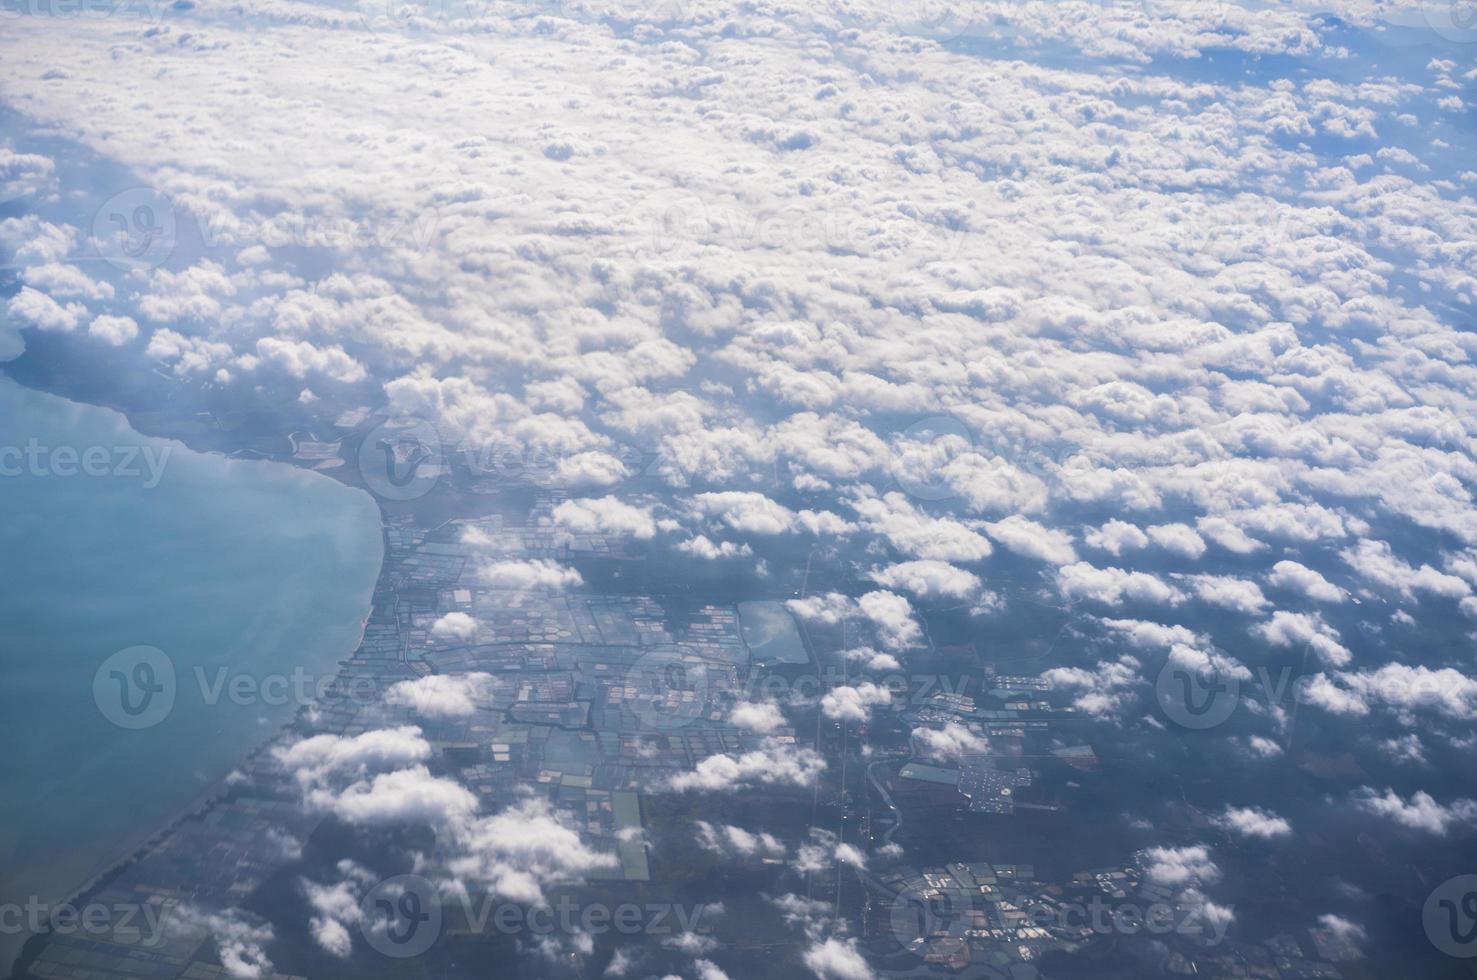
<point x="219" y="588"/>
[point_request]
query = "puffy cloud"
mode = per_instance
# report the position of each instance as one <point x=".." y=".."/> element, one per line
<point x="299" y="359"/>
<point x="1105" y="690"/>
<point x="837" y="959"/>
<point x="1446" y="691"/>
<point x="240" y="943"/>
<point x="1420" y="812"/>
<point x="1175" y="867"/>
<point x="1116" y="537"/>
<point x="36" y="309"/>
<point x="917" y="534"/>
<point x="523" y="849"/>
<point x="441" y="695"/>
<point x="1301" y="579"/>
<point x="454" y="626"/>
<point x="1178" y="538"/>
<point x="1114" y="586"/>
<point x="1289" y="629"/>
<point x="605" y="515"/>
<point x="113" y="330"/>
<point x="404" y="796"/>
<point x="1237" y="594"/>
<point x="872" y="659"/>
<point x="854" y="703"/>
<point x="891" y="614"/>
<point x="315" y="759"/>
<point x="1025" y="537"/>
<point x="526" y="576"/>
<point x="708" y="970"/>
<point x="1250" y="821"/>
<point x="746" y="511"/>
<point x="927" y="579"/>
<point x="773" y="763"/>
<point x="757" y="716"/>
<point x="728" y="840"/>
<point x="1228" y="535"/>
<point x="1376" y="561"/>
<point x="828" y="609"/>
<point x="700" y="547"/>
<point x="951" y="741"/>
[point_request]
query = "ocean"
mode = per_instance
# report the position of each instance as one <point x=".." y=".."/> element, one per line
<point x="162" y="613"/>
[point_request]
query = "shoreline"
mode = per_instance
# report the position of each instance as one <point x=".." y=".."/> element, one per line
<point x="114" y="859"/>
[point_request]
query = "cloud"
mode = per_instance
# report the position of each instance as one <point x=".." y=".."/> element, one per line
<point x="952" y="741"/>
<point x="1106" y="689"/>
<point x="773" y="763"/>
<point x="1031" y="540"/>
<point x="763" y="717"/>
<point x="410" y="795"/>
<point x="1116" y="537"/>
<point x="114" y="331"/>
<point x="315" y="759"/>
<point x="927" y="579"/>
<point x="917" y="534"/>
<point x="891" y="614"/>
<point x="525" y="576"/>
<point x="1289" y="629"/>
<point x="454" y="626"/>
<point x="1420" y="812"/>
<point x="1377" y="563"/>
<point x="240" y="943"/>
<point x="837" y="959"/>
<point x="854" y="703"/>
<point x="1114" y="586"/>
<point x="746" y="511"/>
<point x="605" y="515"/>
<point x="1175" y="867"/>
<point x="441" y="695"/>
<point x="523" y="849"/>
<point x="872" y="659"/>
<point x="1180" y="539"/>
<point x="1343" y="928"/>
<point x="727" y="840"/>
<point x="1446" y="691"/>
<point x="36" y="309"/>
<point x="1249" y="821"/>
<point x="1299" y="578"/>
<point x="700" y="547"/>
<point x="827" y="609"/>
<point x="1237" y="594"/>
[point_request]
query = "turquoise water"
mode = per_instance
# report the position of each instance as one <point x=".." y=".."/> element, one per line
<point x="245" y="567"/>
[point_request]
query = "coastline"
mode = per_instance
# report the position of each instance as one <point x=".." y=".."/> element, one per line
<point x="134" y="844"/>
